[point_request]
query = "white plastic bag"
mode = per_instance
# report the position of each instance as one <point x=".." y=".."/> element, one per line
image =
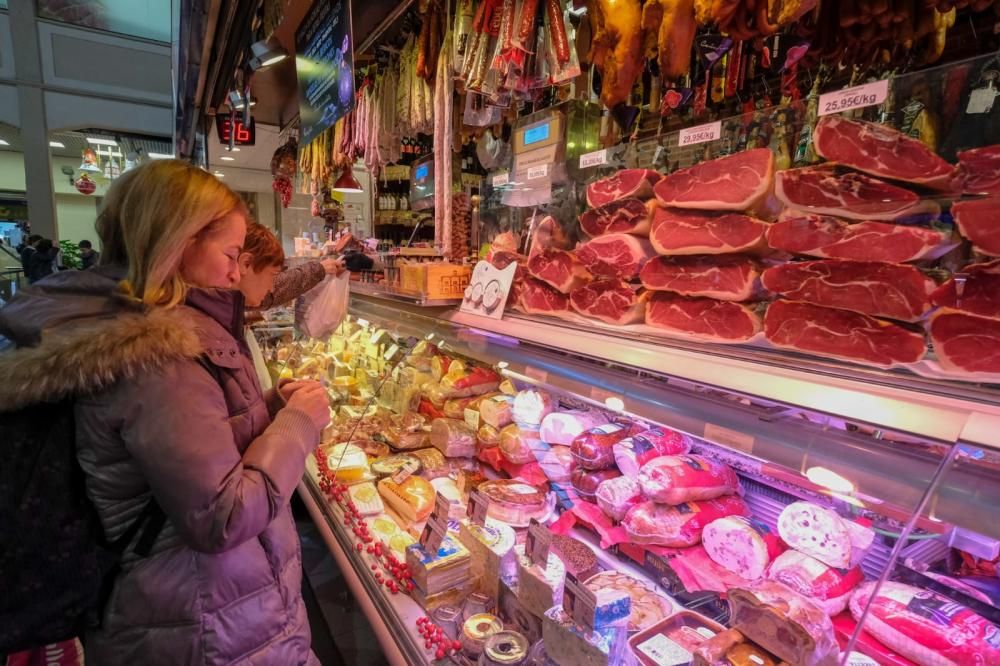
<point x="321" y="309"/>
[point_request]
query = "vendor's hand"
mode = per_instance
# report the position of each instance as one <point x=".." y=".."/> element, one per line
<point x="333" y="266"/>
<point x="312" y="400"/>
<point x="286" y="389"/>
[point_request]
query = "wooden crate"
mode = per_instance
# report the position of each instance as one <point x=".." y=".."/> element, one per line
<point x="435" y="281"/>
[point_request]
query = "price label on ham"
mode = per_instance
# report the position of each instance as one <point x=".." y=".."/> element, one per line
<point x="537" y="543"/>
<point x="579" y="602"/>
<point x="477" y="508"/>
<point x="406" y="471"/>
<point x="856" y="97"/>
<point x="596" y="158"/>
<point x="501" y="179"/>
<point x="700" y="134"/>
<point x="536" y="172"/>
<point x="433" y="534"/>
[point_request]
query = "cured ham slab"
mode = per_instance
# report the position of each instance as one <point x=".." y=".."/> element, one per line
<point x="560" y="269"/>
<point x="627" y="183"/>
<point x="625" y="216"/>
<point x="975" y="291"/>
<point x="728" y="277"/>
<point x="832" y="238"/>
<point x="611" y="301"/>
<point x="964" y="342"/>
<point x="616" y="256"/>
<point x="896" y="291"/>
<point x="880" y="151"/>
<point x="735" y="182"/>
<point x="823" y="190"/>
<point x="977" y="220"/>
<point x="979" y="170"/>
<point x="702" y="318"/>
<point x="537" y="297"/>
<point x="841" y="334"/>
<point x="683" y="232"/>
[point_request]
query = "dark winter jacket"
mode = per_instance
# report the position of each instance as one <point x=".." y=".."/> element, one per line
<point x="222" y="584"/>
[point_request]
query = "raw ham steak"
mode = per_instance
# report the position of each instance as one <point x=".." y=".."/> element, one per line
<point x="548" y="234"/>
<point x="965" y="342"/>
<point x="896" y="291"/>
<point x="728" y="277"/>
<point x="977" y="220"/>
<point x="558" y="268"/>
<point x="979" y="170"/>
<point x="612" y="301"/>
<point x="832" y="238"/>
<point x="841" y="334"/>
<point x="824" y="191"/>
<point x="615" y="256"/>
<point x="627" y="183"/>
<point x="702" y="318"/>
<point x="536" y="297"/>
<point x="679" y="232"/>
<point x="734" y="182"/>
<point x="880" y="151"/>
<point x="980" y="289"/>
<point x="624" y="216"/>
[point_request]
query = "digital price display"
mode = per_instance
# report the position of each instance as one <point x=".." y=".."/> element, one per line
<point x="536" y="134"/>
<point x="243" y="135"/>
<point x="421" y="172"/>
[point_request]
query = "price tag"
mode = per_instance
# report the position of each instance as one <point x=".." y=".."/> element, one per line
<point x="501" y="179"/>
<point x="405" y="472"/>
<point x="537" y="542"/>
<point x="536" y="172"/>
<point x="433" y="534"/>
<point x="596" y="158"/>
<point x="442" y="507"/>
<point x="856" y="97"/>
<point x="700" y="134"/>
<point x="472" y="418"/>
<point x="739" y="441"/>
<point x="477" y="508"/>
<point x="579" y="602"/>
<point x="981" y="100"/>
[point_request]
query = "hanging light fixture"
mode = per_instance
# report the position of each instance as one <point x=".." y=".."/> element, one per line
<point x="347" y="182"/>
<point x="266" y="52"/>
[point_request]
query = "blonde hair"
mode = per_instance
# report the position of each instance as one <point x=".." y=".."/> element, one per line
<point x="149" y="216"/>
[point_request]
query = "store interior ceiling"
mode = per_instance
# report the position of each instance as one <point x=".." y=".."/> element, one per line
<point x="72" y="144"/>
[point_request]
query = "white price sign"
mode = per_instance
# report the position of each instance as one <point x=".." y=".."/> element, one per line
<point x="856" y="97"/>
<point x="700" y="134"/>
<point x="536" y="172"/>
<point x="501" y="179"/>
<point x="596" y="158"/>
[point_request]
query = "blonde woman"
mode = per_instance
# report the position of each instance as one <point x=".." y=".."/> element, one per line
<point x="167" y="406"/>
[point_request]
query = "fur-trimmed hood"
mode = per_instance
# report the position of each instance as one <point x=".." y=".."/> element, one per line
<point x="75" y="334"/>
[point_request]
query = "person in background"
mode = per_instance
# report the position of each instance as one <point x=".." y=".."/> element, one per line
<point x="168" y="410"/>
<point x="88" y="255"/>
<point x="27" y="250"/>
<point x="41" y="262"/>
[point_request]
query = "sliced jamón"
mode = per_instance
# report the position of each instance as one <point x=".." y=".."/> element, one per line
<point x="611" y="301"/>
<point x="623" y="216"/>
<point x="627" y="183"/>
<point x="537" y="297"/>
<point x="895" y="291"/>
<point x="559" y="268"/>
<point x="615" y="256"/>
<point x="965" y="343"/>
<point x="841" y="334"/>
<point x="684" y="232"/>
<point x="735" y="182"/>
<point x="979" y="170"/>
<point x="975" y="290"/>
<point x="702" y="318"/>
<point x="825" y="190"/>
<point x="726" y="277"/>
<point x="977" y="220"/>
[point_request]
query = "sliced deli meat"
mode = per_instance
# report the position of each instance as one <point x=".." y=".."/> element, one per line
<point x="965" y="343"/>
<point x="926" y="627"/>
<point x="816" y="531"/>
<point x="828" y="586"/>
<point x="977" y="220"/>
<point x="841" y="334"/>
<point x="735" y="182"/>
<point x="881" y="151"/>
<point x="684" y="232"/>
<point x="537" y="297"/>
<point x="625" y="184"/>
<point x="594" y="449"/>
<point x="832" y="238"/>
<point x="619" y="256"/>
<point x="702" y="318"/>
<point x="896" y="291"/>
<point x="823" y="190"/>
<point x="975" y="291"/>
<point x="624" y="216"/>
<point x="686" y="478"/>
<point x="727" y="277"/>
<point x="678" y="526"/>
<point x="611" y="301"/>
<point x="559" y="269"/>
<point x="741" y="545"/>
<point x="979" y="170"/>
<point x="548" y="234"/>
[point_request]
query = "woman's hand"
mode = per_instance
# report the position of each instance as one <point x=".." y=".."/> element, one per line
<point x="332" y="266"/>
<point x="287" y="388"/>
<point x="311" y="398"/>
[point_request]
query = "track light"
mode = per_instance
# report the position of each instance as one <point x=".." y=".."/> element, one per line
<point x="266" y="53"/>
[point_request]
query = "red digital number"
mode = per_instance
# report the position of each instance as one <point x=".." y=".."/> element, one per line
<point x="226" y="129"/>
<point x="242" y="133"/>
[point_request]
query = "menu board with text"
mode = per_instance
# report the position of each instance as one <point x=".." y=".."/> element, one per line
<point x="324" y="65"/>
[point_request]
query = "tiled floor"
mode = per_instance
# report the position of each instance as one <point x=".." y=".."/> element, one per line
<point x="341" y="633"/>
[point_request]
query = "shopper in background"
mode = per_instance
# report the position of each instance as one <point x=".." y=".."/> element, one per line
<point x="168" y="409"/>
<point x="41" y="261"/>
<point x="27" y="250"/>
<point x="88" y="255"/>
